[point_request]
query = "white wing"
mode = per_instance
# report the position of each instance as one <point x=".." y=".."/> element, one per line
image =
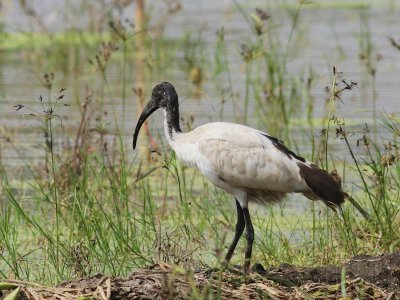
<point x="246" y="158"/>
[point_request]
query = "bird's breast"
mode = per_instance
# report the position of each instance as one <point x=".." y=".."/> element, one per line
<point x="187" y="153"/>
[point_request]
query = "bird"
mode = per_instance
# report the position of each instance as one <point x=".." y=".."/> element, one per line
<point x="247" y="163"/>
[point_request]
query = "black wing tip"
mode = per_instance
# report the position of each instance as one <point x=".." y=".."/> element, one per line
<point x="285" y="150"/>
<point x="333" y="205"/>
<point x="322" y="184"/>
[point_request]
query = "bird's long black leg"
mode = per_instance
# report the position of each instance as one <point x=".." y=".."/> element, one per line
<point x="238" y="232"/>
<point x="249" y="238"/>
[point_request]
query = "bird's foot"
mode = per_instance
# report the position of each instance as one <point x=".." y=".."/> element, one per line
<point x="224" y="268"/>
<point x="259" y="269"/>
<point x="208" y="273"/>
<point x="237" y="270"/>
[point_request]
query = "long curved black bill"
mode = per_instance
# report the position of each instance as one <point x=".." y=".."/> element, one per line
<point x="147" y="111"/>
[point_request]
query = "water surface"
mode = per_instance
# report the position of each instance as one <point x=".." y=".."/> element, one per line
<point x="325" y="36"/>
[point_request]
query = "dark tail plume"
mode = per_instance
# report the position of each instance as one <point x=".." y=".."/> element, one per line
<point x="322" y="184"/>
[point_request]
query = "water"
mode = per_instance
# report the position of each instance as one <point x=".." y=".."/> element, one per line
<point x="324" y="37"/>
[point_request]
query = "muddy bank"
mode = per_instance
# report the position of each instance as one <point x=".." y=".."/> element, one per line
<point x="367" y="277"/>
<point x="382" y="271"/>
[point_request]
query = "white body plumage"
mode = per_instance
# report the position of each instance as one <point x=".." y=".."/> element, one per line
<point x="239" y="159"/>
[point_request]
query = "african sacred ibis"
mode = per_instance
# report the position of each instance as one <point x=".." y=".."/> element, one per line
<point x="245" y="162"/>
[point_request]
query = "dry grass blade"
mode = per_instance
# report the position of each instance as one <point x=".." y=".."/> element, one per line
<point x="162" y="280"/>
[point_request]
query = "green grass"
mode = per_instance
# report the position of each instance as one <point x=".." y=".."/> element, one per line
<point x="100" y="207"/>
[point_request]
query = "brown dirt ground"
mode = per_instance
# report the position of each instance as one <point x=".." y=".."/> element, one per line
<point x="367" y="277"/>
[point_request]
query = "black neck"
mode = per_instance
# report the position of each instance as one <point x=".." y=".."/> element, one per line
<point x="173" y="118"/>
